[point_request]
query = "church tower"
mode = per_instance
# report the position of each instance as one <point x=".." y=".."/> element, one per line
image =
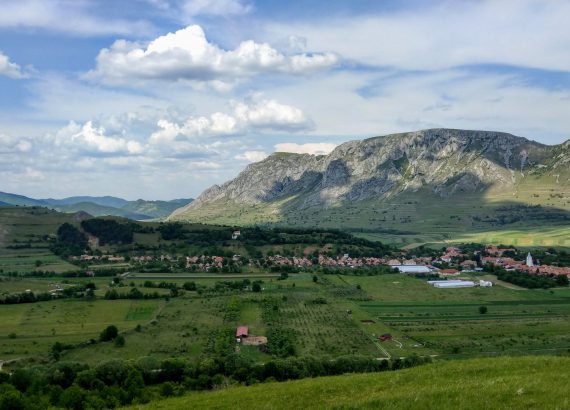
<point x="529" y="260"/>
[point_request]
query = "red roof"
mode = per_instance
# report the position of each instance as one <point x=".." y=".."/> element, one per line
<point x="448" y="271"/>
<point x="241" y="331"/>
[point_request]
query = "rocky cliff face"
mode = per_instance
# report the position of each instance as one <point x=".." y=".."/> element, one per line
<point x="445" y="161"/>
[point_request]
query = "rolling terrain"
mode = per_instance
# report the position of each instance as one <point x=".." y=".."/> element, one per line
<point x="434" y="185"/>
<point x="100" y="206"/>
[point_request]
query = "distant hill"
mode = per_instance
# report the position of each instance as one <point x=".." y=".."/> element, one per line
<point x="100" y="206"/>
<point x="108" y="201"/>
<point x="499" y="382"/>
<point x="19" y="200"/>
<point x="431" y="185"/>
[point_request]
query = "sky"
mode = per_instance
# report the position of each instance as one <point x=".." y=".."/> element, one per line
<point x="160" y="99"/>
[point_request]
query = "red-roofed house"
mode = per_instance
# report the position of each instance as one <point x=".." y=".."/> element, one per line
<point x="449" y="272"/>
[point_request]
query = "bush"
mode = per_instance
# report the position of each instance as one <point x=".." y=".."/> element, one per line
<point x="109" y="333"/>
<point x="120" y="341"/>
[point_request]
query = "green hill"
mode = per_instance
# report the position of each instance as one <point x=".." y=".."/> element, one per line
<point x="496" y="383"/>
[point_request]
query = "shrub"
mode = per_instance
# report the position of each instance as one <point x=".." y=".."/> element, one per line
<point x="109" y="333"/>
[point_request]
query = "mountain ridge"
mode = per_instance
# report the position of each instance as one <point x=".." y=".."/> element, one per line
<point x="435" y="164"/>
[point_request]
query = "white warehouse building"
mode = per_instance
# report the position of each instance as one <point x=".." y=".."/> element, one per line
<point x="446" y="284"/>
<point x="412" y="268"/>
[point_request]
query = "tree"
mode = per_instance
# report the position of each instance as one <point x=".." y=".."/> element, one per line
<point x="73" y="398"/>
<point x="256" y="287"/>
<point x="482" y="309"/>
<point x="315" y="278"/>
<point x="109" y="333"/>
<point x="190" y="286"/>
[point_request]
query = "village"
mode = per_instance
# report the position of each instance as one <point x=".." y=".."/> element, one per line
<point x="449" y="262"/>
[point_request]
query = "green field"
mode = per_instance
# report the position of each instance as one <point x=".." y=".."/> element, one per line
<point x="36" y="327"/>
<point x="423" y="320"/>
<point x="501" y="383"/>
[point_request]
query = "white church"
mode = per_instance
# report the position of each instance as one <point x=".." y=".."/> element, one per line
<point x="529" y="261"/>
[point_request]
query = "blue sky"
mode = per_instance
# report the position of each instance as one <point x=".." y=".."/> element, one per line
<point x="162" y="98"/>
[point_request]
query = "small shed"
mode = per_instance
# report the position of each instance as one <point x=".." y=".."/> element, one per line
<point x="241" y="332"/>
<point x="385" y="337"/>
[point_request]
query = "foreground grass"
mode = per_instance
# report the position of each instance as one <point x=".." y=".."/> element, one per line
<point x="501" y="383"/>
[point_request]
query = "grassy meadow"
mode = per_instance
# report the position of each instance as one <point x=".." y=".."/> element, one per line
<point x="498" y="383"/>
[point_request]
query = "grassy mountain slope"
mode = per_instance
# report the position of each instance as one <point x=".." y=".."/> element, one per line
<point x="426" y="186"/>
<point x="498" y="383"/>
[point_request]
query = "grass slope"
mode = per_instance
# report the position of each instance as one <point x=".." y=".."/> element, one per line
<point x="502" y="383"/>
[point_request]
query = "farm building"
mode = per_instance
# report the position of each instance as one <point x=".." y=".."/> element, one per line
<point x="412" y="268"/>
<point x="241" y="332"/>
<point x="485" y="283"/>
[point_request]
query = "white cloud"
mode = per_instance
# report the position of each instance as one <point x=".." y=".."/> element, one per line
<point x="68" y="16"/>
<point x="529" y="33"/>
<point x="251" y="156"/>
<point x="188" y="55"/>
<point x="246" y="116"/>
<point x="89" y="138"/>
<point x="318" y="148"/>
<point x="187" y="10"/>
<point x="9" y="144"/>
<point x="10" y="69"/>
<point x="192" y="8"/>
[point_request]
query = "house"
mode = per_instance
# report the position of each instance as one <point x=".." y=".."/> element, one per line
<point x="468" y="264"/>
<point x="236" y="234"/>
<point x="241" y="332"/>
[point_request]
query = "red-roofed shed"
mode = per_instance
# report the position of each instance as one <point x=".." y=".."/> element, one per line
<point x="241" y="331"/>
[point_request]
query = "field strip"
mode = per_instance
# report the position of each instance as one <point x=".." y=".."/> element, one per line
<point x="174" y="276"/>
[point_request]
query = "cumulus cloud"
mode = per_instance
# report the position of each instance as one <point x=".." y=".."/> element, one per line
<point x="10" y="69"/>
<point x="251" y="156"/>
<point x="188" y="55"/>
<point x="89" y="138"/>
<point x="318" y="148"/>
<point x="246" y="116"/>
<point x="9" y="144"/>
<point x="68" y="16"/>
